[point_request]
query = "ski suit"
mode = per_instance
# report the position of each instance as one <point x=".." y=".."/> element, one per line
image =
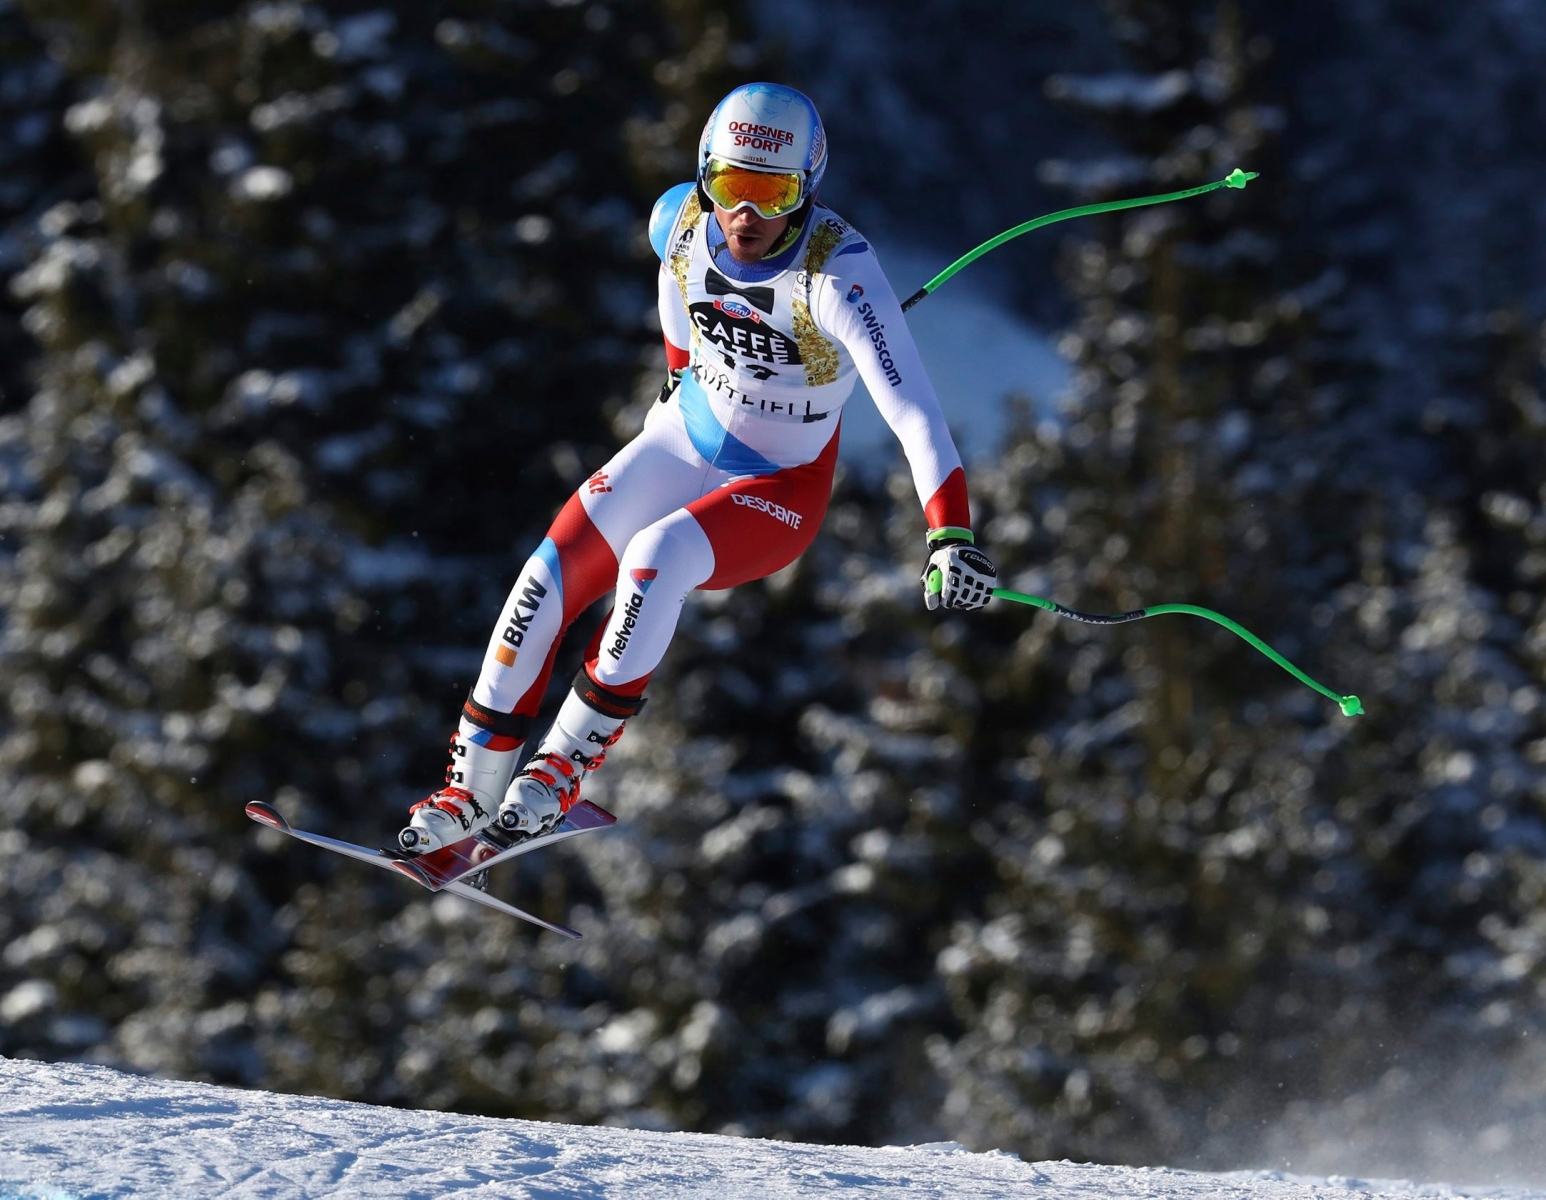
<point x="729" y="479"/>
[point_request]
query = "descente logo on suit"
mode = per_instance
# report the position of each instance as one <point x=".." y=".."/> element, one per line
<point x="777" y="511"/>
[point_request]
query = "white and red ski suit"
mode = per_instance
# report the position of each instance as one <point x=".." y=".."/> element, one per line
<point x="729" y="479"/>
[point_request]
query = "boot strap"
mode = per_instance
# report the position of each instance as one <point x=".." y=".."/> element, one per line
<point x="510" y="725"/>
<point x="603" y="699"/>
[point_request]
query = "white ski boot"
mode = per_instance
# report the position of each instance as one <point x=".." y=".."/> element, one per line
<point x="484" y="751"/>
<point x="588" y="725"/>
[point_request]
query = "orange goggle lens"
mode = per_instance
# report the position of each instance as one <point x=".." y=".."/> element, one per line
<point x="772" y="194"/>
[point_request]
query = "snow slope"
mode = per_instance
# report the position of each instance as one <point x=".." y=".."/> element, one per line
<point x="68" y="1132"/>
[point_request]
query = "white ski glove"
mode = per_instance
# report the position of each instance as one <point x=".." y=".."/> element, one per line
<point x="957" y="575"/>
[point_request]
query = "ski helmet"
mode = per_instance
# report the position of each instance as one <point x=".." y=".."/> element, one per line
<point x="764" y="148"/>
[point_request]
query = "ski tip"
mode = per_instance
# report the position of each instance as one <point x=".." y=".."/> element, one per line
<point x="266" y="814"/>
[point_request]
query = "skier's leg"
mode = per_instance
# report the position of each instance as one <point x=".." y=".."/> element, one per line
<point x="661" y="564"/>
<point x="655" y="474"/>
<point x="571" y="569"/>
<point x="574" y="566"/>
<point x="744" y="530"/>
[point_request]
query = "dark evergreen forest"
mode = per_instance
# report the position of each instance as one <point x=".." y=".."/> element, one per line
<point x="315" y="312"/>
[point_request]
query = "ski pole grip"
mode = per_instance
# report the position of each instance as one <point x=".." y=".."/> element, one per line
<point x="936" y="582"/>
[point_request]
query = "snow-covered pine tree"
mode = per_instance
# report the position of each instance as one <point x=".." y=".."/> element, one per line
<point x="326" y="343"/>
<point x="1442" y="799"/>
<point x="38" y="170"/>
<point x="1164" y="823"/>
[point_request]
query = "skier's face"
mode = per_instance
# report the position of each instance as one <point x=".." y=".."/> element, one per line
<point x="749" y="236"/>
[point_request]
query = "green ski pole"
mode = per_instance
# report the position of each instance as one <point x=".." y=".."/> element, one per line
<point x="1235" y="179"/>
<point x="1351" y="705"/>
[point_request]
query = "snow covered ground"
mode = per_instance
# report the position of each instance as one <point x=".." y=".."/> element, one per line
<point x="70" y="1132"/>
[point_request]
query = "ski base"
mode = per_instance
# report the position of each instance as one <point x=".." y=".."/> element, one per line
<point x="443" y="870"/>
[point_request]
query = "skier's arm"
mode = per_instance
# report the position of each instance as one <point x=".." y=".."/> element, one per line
<point x="673" y="322"/>
<point x="860" y="309"/>
<point x="673" y="312"/>
<point x="855" y="305"/>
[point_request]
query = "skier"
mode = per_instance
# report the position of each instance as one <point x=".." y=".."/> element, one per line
<point x="771" y="306"/>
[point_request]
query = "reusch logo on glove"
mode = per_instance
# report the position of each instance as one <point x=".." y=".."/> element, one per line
<point x="978" y="561"/>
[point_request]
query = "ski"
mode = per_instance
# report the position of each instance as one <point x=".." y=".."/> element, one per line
<point x="467" y="892"/>
<point x="442" y="870"/>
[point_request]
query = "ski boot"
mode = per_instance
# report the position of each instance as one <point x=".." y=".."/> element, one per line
<point x="588" y="725"/>
<point x="484" y="752"/>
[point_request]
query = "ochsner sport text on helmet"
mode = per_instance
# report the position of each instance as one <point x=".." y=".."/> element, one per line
<point x="767" y="126"/>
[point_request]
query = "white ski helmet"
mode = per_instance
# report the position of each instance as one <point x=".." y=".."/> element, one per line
<point x="765" y="127"/>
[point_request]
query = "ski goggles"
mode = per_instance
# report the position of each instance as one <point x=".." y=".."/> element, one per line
<point x="770" y="193"/>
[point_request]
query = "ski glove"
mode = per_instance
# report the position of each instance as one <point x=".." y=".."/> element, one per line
<point x="673" y="381"/>
<point x="957" y="575"/>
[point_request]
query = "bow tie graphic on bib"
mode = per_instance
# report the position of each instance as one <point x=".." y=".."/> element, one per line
<point x="757" y="297"/>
